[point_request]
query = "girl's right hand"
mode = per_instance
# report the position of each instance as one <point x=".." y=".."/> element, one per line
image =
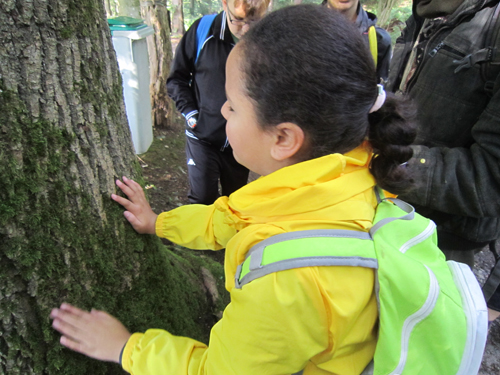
<point x="138" y="211"/>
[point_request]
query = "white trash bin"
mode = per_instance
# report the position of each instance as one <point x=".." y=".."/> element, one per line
<point x="129" y="41"/>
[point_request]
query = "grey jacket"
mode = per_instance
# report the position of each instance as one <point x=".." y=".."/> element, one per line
<point x="456" y="164"/>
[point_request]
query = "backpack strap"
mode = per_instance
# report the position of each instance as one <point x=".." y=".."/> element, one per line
<point x="408" y="208"/>
<point x="202" y="32"/>
<point x="372" y="40"/>
<point x="493" y="44"/>
<point x="309" y="248"/>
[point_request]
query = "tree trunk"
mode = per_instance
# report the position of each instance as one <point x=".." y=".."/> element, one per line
<point x="384" y="8"/>
<point x="64" y="139"/>
<point x="178" y="28"/>
<point x="156" y="14"/>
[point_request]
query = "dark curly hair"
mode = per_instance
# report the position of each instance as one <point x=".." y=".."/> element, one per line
<point x="309" y="65"/>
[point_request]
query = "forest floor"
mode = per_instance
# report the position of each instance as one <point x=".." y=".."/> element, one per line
<point x="165" y="174"/>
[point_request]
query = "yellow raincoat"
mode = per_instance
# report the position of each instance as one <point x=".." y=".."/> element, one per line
<point x="322" y="319"/>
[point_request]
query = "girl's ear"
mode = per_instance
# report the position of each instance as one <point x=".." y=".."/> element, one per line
<point x="288" y="140"/>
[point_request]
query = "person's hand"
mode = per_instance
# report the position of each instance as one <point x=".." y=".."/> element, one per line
<point x="493" y="315"/>
<point x="95" y="334"/>
<point x="139" y="212"/>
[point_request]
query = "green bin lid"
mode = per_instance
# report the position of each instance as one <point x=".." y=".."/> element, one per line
<point x="122" y="23"/>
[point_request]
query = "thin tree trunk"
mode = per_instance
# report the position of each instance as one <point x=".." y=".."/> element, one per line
<point x="64" y="139"/>
<point x="178" y="28"/>
<point x="156" y="14"/>
<point x="384" y="8"/>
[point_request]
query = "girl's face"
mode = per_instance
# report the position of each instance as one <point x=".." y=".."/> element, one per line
<point x="250" y="143"/>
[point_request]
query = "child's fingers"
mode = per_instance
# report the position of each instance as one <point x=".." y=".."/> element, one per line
<point x="124" y="202"/>
<point x="73" y="345"/>
<point x="133" y="220"/>
<point x="125" y="188"/>
<point x="131" y="189"/>
<point x="69" y="318"/>
<point x="132" y="184"/>
<point x="72" y="309"/>
<point x="65" y="328"/>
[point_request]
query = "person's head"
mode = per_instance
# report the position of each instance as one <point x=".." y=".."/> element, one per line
<point x="436" y="8"/>
<point x="300" y="85"/>
<point x="347" y="7"/>
<point x="242" y="13"/>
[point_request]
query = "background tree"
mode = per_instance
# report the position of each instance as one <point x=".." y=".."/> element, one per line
<point x="156" y="14"/>
<point x="178" y="27"/>
<point x="64" y="139"/>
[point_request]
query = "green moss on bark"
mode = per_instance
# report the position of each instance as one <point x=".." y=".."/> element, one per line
<point x="51" y="252"/>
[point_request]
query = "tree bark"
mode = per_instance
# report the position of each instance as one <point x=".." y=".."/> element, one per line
<point x="178" y="28"/>
<point x="64" y="139"/>
<point x="384" y="8"/>
<point x="156" y="14"/>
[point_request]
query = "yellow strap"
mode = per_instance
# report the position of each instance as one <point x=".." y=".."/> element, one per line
<point x="372" y="39"/>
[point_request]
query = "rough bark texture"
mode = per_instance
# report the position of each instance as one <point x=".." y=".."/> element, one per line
<point x="64" y="139"/>
<point x="156" y="14"/>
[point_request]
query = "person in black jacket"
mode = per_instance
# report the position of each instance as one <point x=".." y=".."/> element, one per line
<point x="196" y="84"/>
<point x="353" y="10"/>
<point x="440" y="62"/>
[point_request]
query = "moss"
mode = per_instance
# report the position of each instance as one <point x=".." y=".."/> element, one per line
<point x="59" y="254"/>
<point x="66" y="32"/>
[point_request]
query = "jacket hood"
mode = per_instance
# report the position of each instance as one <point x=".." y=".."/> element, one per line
<point x="466" y="8"/>
<point x="302" y="189"/>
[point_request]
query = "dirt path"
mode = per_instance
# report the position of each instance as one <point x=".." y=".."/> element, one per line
<point x="164" y="168"/>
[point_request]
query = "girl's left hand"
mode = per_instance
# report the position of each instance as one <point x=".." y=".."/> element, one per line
<point x="95" y="334"/>
<point x="139" y="212"/>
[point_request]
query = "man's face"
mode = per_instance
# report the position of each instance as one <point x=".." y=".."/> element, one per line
<point x="436" y="8"/>
<point x="237" y="18"/>
<point x="344" y="6"/>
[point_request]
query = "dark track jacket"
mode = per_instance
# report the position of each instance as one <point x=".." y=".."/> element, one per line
<point x="456" y="163"/>
<point x="364" y="21"/>
<point x="199" y="89"/>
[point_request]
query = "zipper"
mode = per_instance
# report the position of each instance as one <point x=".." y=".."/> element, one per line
<point x="416" y="318"/>
<point x="445" y="47"/>
<point x="429" y="42"/>
<point x="425" y="53"/>
<point x="436" y="49"/>
<point x="420" y="238"/>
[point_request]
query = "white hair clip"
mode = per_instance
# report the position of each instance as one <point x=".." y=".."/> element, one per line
<point x="379" y="102"/>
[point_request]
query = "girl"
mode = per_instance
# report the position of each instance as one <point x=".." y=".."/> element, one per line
<point x="304" y="111"/>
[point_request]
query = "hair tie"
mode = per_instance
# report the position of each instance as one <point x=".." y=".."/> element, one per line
<point x="379" y="102"/>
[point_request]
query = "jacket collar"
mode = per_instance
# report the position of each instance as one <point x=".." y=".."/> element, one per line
<point x="467" y="8"/>
<point x="365" y="19"/>
<point x="305" y="191"/>
<point x="220" y="28"/>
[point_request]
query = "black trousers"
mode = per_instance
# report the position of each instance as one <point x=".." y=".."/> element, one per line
<point x="207" y="166"/>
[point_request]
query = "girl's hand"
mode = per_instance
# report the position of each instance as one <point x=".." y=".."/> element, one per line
<point x="95" y="334"/>
<point x="139" y="212"/>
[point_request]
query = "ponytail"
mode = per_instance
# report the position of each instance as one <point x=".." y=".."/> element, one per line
<point x="392" y="130"/>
